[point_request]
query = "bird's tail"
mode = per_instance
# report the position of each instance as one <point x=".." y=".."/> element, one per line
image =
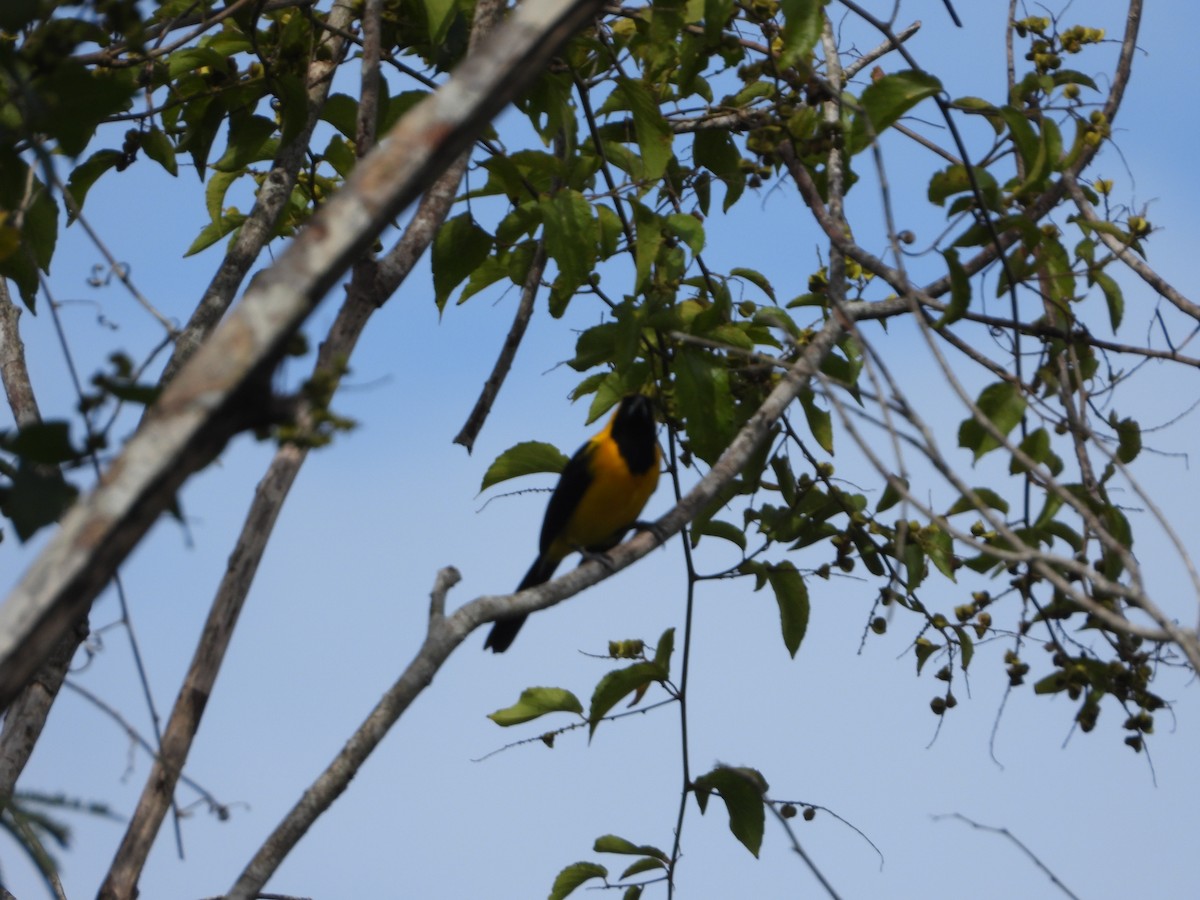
<point x="504" y="630"/>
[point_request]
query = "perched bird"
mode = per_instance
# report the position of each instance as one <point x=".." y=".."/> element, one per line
<point x="599" y="495"/>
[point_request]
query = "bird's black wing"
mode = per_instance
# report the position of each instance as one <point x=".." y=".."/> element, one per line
<point x="572" y="485"/>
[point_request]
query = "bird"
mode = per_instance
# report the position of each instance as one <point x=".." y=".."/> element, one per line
<point x="599" y="495"/>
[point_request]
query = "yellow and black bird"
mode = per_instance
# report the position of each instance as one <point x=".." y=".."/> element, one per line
<point x="599" y="495"/>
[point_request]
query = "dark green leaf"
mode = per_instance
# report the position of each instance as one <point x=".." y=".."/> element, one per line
<point x="460" y="247"/>
<point x="1112" y="296"/>
<point x="1003" y="405"/>
<point x="573" y="876"/>
<point x="1129" y="439"/>
<point x="48" y="443"/>
<point x="987" y="496"/>
<point x="924" y="648"/>
<point x="645" y="864"/>
<point x="38" y="497"/>
<point x="572" y="234"/>
<point x="820" y="423"/>
<point x="610" y="843"/>
<point x="160" y="149"/>
<point x="526" y="458"/>
<point x="724" y="530"/>
<point x="960" y="290"/>
<point x="742" y="790"/>
<point x="341" y="112"/>
<point x="249" y="141"/>
<point x="886" y="100"/>
<point x="791" y="594"/>
<point x="84" y="175"/>
<point x="620" y="683"/>
<point x="891" y="494"/>
<point x="653" y="133"/>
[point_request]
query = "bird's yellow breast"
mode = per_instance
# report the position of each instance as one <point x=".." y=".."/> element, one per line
<point x="613" y="499"/>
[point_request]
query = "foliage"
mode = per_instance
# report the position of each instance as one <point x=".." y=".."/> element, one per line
<point x="649" y="127"/>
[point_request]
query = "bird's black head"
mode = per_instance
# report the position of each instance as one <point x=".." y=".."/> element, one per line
<point x="633" y="428"/>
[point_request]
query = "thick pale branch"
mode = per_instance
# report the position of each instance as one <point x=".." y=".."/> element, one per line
<point x="206" y="402"/>
<point x="366" y="294"/>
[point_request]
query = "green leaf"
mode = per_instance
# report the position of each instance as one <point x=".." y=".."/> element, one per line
<point x="715" y="150"/>
<point x="705" y="401"/>
<point x="664" y="648"/>
<point x="1112" y="296"/>
<point x="610" y="843"/>
<point x="990" y="499"/>
<point x="616" y="685"/>
<point x="955" y="180"/>
<point x="573" y="876"/>
<point x="47" y="443"/>
<point x="1129" y="439"/>
<point x="924" y="648"/>
<point x="249" y="140"/>
<point x="160" y="149"/>
<point x="341" y="111"/>
<point x="1037" y="447"/>
<point x="716" y="528"/>
<point x="215" y="191"/>
<point x="525" y="458"/>
<point x="1003" y="405"/>
<point x="820" y="423"/>
<point x="688" y="229"/>
<point x="535" y="702"/>
<point x="73" y="100"/>
<point x="939" y="547"/>
<point x="460" y="247"/>
<point x="214" y="231"/>
<point x="654" y="135"/>
<point x="1051" y="684"/>
<point x="891" y="494"/>
<point x="38" y="497"/>
<point x="572" y="234"/>
<point x="84" y="175"/>
<point x="1024" y="137"/>
<point x="439" y="14"/>
<point x="645" y="864"/>
<point x="886" y="100"/>
<point x="756" y="278"/>
<point x="803" y="21"/>
<point x="791" y="594"/>
<point x="742" y="790"/>
<point x="960" y="290"/>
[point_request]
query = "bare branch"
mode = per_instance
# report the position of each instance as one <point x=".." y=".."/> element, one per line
<point x="1004" y="832"/>
<point x="491" y="388"/>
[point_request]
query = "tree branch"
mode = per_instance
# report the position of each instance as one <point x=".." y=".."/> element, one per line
<point x="219" y="391"/>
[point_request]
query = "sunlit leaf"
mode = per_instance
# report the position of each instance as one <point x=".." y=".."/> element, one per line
<point x="526" y="458"/>
<point x="535" y="702"/>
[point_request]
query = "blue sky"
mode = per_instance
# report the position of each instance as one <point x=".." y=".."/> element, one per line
<point x="340" y="602"/>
